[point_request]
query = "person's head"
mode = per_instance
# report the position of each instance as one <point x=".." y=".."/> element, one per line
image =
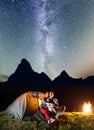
<point x="49" y="94"/>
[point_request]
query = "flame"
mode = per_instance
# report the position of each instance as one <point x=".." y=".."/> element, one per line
<point x="87" y="107"/>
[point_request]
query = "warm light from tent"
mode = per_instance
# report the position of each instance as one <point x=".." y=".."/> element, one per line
<point x="87" y="107"/>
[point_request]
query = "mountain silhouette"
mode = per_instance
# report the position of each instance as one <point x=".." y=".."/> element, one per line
<point x="24" y="75"/>
<point x="65" y="80"/>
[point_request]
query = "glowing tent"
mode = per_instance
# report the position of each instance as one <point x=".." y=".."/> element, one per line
<point x="24" y="105"/>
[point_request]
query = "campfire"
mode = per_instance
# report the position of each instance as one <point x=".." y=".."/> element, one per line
<point x="87" y="107"/>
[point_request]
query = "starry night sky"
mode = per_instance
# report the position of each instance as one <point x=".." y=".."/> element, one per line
<point x="53" y="35"/>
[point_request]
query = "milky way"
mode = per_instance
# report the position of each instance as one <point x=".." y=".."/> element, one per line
<point x="46" y="31"/>
<point x="53" y="35"/>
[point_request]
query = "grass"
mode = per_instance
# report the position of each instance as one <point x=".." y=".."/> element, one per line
<point x="68" y="121"/>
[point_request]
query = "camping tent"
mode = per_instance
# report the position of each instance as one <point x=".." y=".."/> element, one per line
<point x="24" y="105"/>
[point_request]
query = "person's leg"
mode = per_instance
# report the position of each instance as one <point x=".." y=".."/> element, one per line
<point x="45" y="112"/>
<point x="47" y="116"/>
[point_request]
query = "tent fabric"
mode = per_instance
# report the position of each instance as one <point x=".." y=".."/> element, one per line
<point x="24" y="105"/>
<point x="38" y="116"/>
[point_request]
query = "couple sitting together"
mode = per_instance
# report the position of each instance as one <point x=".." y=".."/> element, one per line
<point x="36" y="105"/>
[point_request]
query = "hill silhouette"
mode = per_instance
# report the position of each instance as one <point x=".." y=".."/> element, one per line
<point x="68" y="90"/>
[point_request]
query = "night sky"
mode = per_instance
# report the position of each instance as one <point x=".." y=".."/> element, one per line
<point x="53" y="35"/>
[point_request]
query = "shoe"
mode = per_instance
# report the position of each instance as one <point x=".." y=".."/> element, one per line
<point x="51" y="120"/>
<point x="59" y="114"/>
